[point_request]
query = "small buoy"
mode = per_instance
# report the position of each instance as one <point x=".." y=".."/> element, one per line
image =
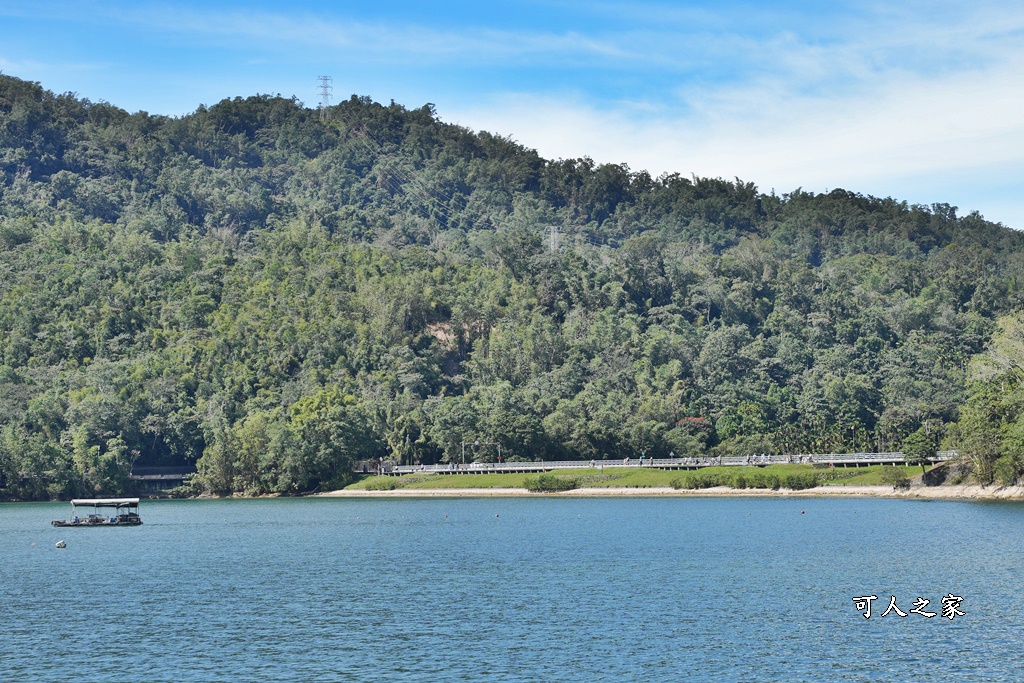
<point x="801" y="512"/>
<point x="496" y="515"/>
<point x="62" y="544"/>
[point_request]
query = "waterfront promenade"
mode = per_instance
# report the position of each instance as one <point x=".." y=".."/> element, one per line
<point x="820" y="459"/>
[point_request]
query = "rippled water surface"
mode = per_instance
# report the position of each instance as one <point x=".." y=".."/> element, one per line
<point x="512" y="589"/>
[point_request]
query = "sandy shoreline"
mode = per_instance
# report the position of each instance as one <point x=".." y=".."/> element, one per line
<point x="968" y="492"/>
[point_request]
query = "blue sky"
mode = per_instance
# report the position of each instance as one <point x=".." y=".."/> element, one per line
<point x="921" y="101"/>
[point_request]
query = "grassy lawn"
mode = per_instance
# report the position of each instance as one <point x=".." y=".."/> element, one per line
<point x="631" y="478"/>
<point x="640" y="477"/>
<point x="442" y="481"/>
<point x="870" y="476"/>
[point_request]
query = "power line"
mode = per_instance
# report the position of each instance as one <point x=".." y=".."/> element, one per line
<point x="411" y="185"/>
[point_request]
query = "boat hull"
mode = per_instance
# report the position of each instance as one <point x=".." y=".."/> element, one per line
<point x="98" y="522"/>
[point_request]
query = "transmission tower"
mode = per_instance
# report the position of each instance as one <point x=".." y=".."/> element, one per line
<point x="325" y="95"/>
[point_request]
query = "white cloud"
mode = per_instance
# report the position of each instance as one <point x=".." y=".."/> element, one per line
<point x="391" y="39"/>
<point x="850" y="114"/>
<point x="904" y="126"/>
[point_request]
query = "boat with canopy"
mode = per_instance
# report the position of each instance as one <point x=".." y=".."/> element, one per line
<point x="125" y="512"/>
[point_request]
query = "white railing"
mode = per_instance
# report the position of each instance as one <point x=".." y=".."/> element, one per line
<point x="665" y="463"/>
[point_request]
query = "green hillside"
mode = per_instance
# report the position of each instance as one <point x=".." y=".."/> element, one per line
<point x="270" y="297"/>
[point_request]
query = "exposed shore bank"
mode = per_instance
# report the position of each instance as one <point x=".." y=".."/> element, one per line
<point x="964" y="491"/>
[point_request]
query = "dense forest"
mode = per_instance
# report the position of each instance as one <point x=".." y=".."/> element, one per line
<point x="270" y="295"/>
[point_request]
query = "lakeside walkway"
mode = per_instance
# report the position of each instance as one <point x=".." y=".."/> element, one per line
<point x="821" y="459"/>
<point x="947" y="492"/>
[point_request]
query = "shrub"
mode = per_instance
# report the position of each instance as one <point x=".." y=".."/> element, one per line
<point x="895" y="476"/>
<point x="548" y="483"/>
<point x="764" y="480"/>
<point x="1008" y="468"/>
<point x="799" y="481"/>
<point x="701" y="480"/>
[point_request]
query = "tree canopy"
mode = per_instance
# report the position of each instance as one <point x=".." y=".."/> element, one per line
<point x="270" y="298"/>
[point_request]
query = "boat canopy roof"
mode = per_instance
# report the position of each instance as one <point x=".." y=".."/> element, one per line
<point x="106" y="502"/>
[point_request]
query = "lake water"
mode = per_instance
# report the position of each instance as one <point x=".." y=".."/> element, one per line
<point x="513" y="589"/>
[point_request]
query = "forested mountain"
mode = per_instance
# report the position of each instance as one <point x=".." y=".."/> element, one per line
<point x="271" y="296"/>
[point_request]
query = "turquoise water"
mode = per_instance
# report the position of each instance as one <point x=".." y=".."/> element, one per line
<point x="510" y="589"/>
